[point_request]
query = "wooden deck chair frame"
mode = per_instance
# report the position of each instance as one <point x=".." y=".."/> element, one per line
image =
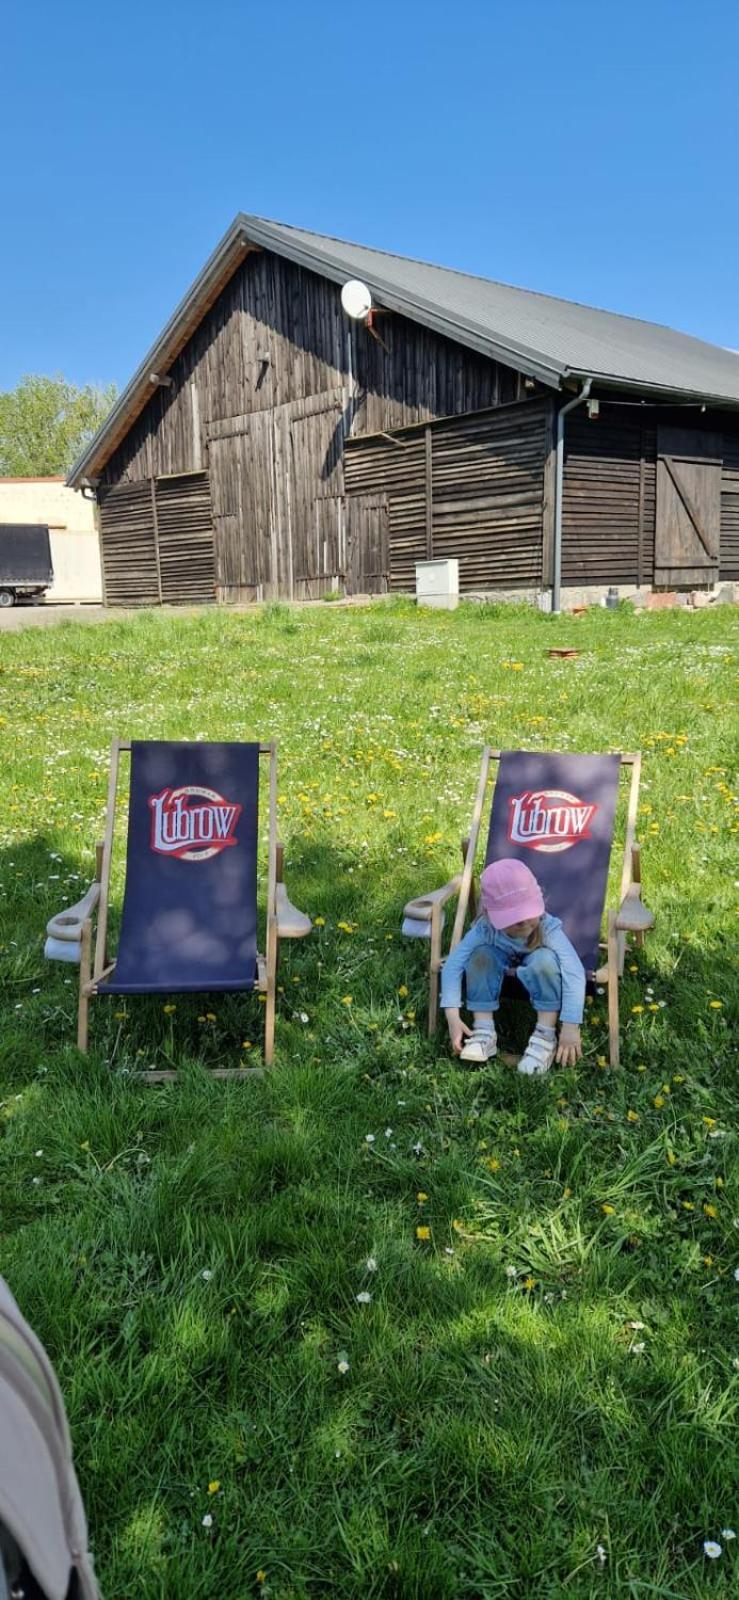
<point x="284" y="921"/>
<point x="632" y="915"/>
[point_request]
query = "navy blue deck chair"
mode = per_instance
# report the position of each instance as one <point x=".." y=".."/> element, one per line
<point x="556" y="813"/>
<point x="189" y="918"/>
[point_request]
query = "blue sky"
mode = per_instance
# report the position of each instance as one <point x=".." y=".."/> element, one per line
<point x="584" y="149"/>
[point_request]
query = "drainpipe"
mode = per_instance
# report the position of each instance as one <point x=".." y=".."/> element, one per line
<point x="559" y="475"/>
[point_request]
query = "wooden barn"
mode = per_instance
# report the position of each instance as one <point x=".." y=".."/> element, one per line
<point x="269" y="445"/>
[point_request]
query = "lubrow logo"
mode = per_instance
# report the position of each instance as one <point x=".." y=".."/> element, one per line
<point x="191" y="822"/>
<point x="549" y="819"/>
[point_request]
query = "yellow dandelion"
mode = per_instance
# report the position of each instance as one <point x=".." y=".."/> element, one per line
<point x="168" y="1010"/>
<point x="214" y="1486"/>
<point x="671" y="1158"/>
<point x="210" y="1016"/>
<point x="529" y="1284"/>
<point x="708" y="1261"/>
<point x="608" y="1211"/>
<point x="636" y="1010"/>
<point x="716" y="1005"/>
<point x="632" y="1116"/>
<point x="687" y="1205"/>
<point x="423" y="1233"/>
<point x="403" y="990"/>
<point x="319" y="922"/>
<point x="492" y="1163"/>
<point x="710" y="1210"/>
<point x="421" y="1197"/>
<point x="261" y="1575"/>
<point x="658" y="1101"/>
<point x="710" y="1122"/>
<point x="346" y="999"/>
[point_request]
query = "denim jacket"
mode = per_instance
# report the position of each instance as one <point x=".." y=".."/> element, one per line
<point x="554" y="937"/>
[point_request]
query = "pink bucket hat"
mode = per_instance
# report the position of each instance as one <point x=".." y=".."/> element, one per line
<point x="510" y="893"/>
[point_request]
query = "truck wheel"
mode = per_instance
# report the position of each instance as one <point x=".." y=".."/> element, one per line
<point x="7" y="599"/>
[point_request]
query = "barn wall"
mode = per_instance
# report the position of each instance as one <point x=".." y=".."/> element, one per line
<point x="473" y="487"/>
<point x="609" y="491"/>
<point x="263" y="398"/>
<point x="273" y="309"/>
<point x="608" y="497"/>
<point x="729" y="563"/>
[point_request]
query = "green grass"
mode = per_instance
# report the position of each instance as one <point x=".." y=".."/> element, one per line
<point x="191" y="1256"/>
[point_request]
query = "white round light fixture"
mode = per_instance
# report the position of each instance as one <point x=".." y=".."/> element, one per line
<point x="356" y="300"/>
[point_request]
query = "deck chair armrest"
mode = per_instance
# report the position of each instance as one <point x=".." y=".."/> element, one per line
<point x="67" y="924"/>
<point x="420" y="909"/>
<point x="291" y="923"/>
<point x="633" y="916"/>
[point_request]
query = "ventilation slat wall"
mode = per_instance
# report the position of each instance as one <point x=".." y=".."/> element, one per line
<point x="487" y="494"/>
<point x="729" y="548"/>
<point x="127" y="545"/>
<point x="601" y="498"/>
<point x="185" y="539"/>
<point x="167" y="559"/>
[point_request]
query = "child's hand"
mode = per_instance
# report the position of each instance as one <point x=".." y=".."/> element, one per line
<point x="458" y="1031"/>
<point x="569" y="1049"/>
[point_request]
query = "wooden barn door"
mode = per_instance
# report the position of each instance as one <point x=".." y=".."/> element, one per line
<point x="688" y="517"/>
<point x="367" y="551"/>
<point x="242" y="471"/>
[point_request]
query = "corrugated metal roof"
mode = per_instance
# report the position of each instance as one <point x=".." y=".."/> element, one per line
<point x="562" y="335"/>
<point x="546" y="338"/>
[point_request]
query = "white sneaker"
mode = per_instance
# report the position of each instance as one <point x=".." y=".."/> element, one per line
<point x="538" y="1056"/>
<point x="482" y="1044"/>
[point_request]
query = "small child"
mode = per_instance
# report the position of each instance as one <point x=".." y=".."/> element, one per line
<point x="514" y="930"/>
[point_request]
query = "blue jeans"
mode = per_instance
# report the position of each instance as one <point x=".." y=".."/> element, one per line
<point x="538" y="972"/>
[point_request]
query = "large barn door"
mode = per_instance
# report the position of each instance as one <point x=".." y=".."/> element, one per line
<point x="688" y="506"/>
<point x="242" y="492"/>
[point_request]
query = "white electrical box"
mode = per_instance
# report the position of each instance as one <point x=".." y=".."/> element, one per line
<point x="437" y="584"/>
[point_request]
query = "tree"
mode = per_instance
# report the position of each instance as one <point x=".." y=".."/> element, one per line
<point x="45" y="424"/>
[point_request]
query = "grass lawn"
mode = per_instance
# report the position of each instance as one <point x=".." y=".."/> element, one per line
<point x="540" y="1397"/>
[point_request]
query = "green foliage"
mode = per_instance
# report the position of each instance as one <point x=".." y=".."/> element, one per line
<point x="539" y="1399"/>
<point x="45" y="424"/>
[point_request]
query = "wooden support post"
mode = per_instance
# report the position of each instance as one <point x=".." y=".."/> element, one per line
<point x="435" y="964"/>
<point x="102" y="922"/>
<point x="613" y="1017"/>
<point x="636" y="878"/>
<point x="84" y="998"/>
<point x="466" y="884"/>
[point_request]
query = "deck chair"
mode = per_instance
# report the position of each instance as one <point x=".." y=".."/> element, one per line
<point x="43" y="1531"/>
<point x="556" y="813"/>
<point x="189" y="920"/>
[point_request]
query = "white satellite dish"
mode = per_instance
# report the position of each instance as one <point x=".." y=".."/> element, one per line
<point x="356" y="300"/>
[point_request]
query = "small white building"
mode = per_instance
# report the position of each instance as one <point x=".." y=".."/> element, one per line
<point x="70" y="519"/>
